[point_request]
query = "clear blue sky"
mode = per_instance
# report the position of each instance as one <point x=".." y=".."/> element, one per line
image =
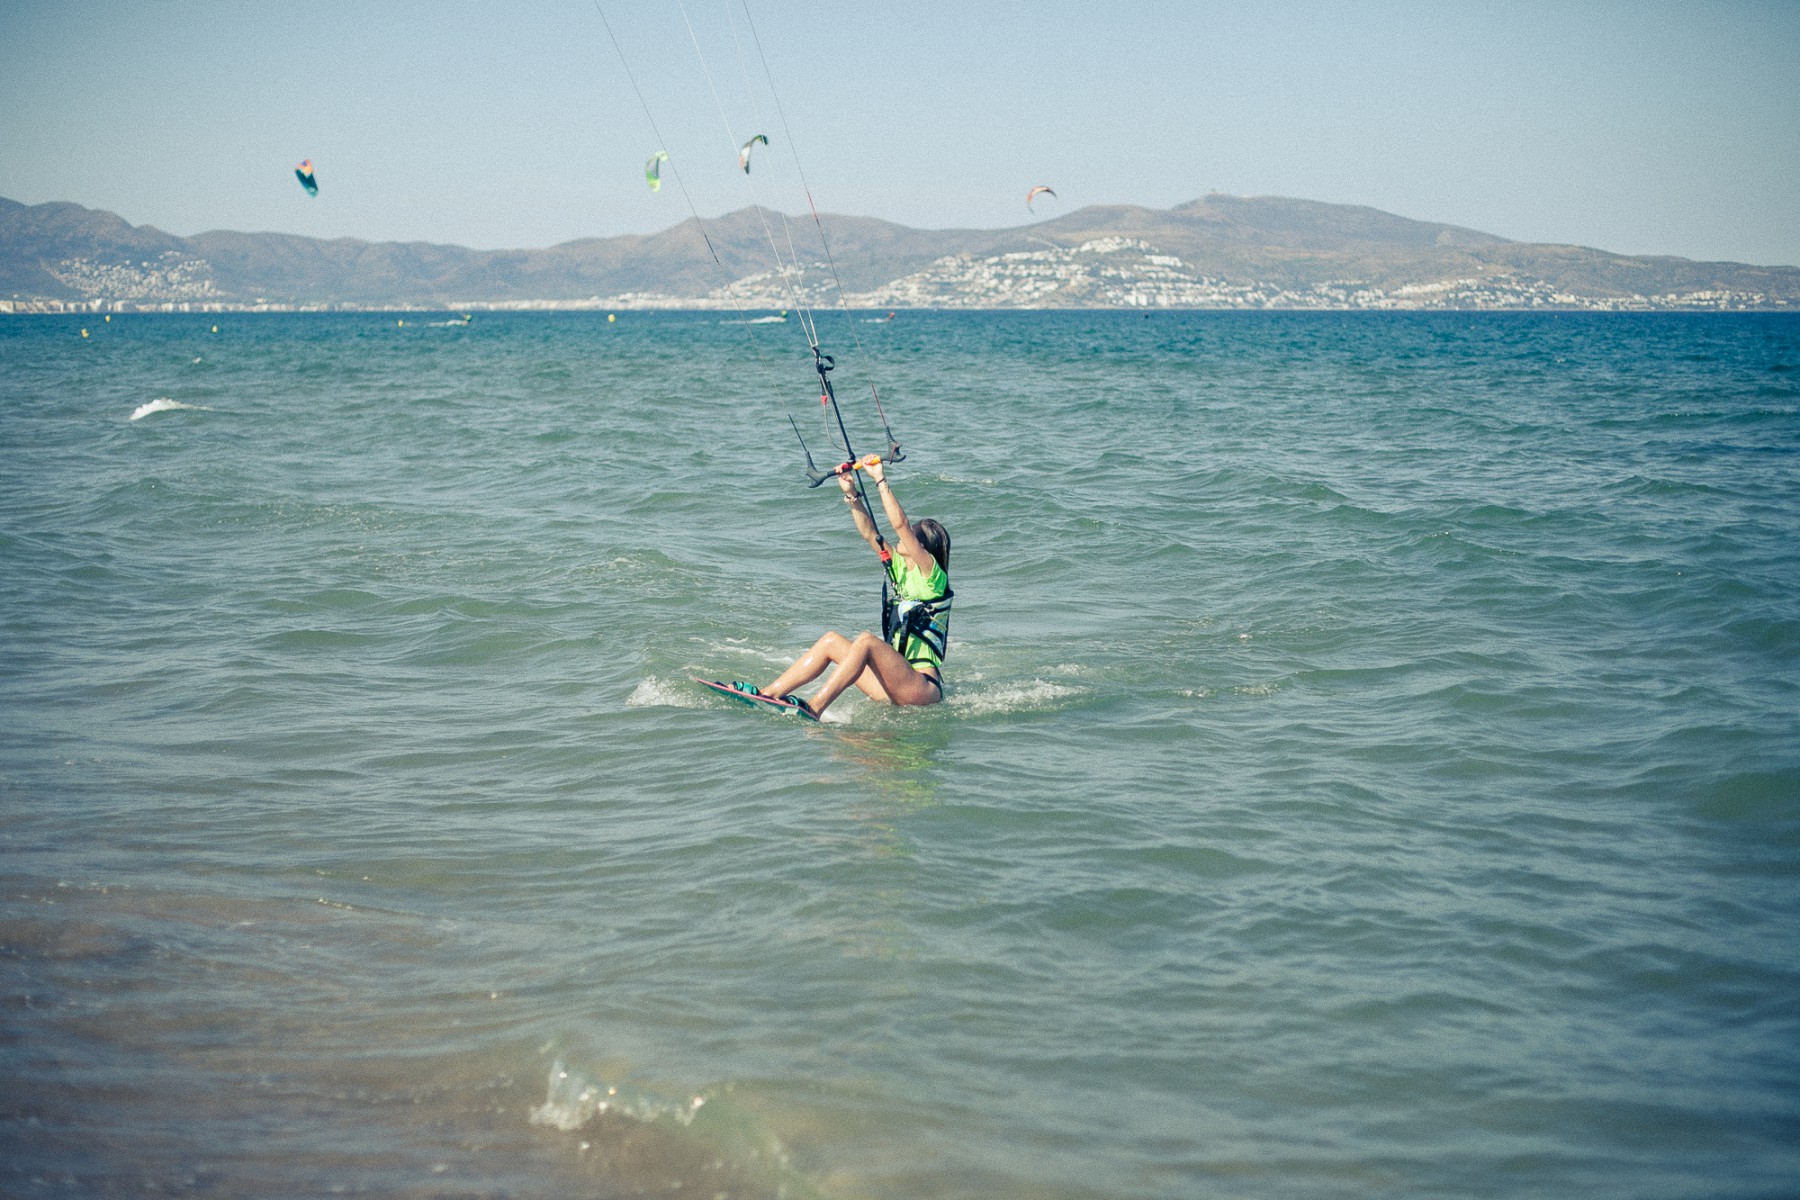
<point x="1647" y="127"/>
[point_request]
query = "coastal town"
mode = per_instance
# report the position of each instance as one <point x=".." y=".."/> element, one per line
<point x="1102" y="273"/>
<point x="1119" y="272"/>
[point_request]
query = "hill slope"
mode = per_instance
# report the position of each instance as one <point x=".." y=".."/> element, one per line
<point x="1219" y="251"/>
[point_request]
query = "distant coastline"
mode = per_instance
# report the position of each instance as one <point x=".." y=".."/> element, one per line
<point x="1217" y="253"/>
<point x="78" y="308"/>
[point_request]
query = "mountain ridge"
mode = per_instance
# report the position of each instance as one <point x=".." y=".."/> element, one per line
<point x="1218" y="251"/>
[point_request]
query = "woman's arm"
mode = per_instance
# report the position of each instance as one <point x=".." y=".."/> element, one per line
<point x="859" y="512"/>
<point x="909" y="545"/>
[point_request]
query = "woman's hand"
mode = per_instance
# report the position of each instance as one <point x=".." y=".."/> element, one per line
<point x="847" y="482"/>
<point x="877" y="470"/>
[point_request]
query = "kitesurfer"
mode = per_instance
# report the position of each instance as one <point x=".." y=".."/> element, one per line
<point x="907" y="667"/>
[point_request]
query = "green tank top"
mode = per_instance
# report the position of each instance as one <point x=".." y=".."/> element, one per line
<point x="916" y="620"/>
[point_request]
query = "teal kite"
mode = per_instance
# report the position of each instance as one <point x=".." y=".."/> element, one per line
<point x="304" y="173"/>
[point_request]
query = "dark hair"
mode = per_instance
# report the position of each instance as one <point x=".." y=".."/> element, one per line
<point x="935" y="538"/>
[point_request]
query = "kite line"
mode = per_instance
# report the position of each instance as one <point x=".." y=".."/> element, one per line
<point x="789" y="270"/>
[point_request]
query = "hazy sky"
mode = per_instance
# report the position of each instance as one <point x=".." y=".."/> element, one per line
<point x="1648" y="127"/>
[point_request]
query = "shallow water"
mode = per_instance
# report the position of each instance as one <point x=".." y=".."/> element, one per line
<point x="1371" y="763"/>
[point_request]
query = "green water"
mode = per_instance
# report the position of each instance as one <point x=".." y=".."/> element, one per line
<point x="1370" y="764"/>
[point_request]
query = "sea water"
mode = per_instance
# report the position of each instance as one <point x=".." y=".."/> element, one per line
<point x="1370" y="764"/>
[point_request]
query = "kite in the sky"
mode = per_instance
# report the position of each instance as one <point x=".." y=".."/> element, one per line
<point x="653" y="170"/>
<point x="1034" y="193"/>
<point x="744" y="151"/>
<point x="304" y="174"/>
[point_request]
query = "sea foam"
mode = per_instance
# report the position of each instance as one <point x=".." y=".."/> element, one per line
<point x="163" y="404"/>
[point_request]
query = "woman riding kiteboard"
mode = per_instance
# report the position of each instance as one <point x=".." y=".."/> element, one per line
<point x="905" y="665"/>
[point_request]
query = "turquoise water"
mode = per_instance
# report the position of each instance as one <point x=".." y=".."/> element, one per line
<point x="1371" y="763"/>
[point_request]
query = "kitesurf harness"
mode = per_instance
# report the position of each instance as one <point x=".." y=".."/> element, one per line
<point x="918" y="629"/>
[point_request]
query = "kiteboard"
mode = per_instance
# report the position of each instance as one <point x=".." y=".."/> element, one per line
<point x="771" y="703"/>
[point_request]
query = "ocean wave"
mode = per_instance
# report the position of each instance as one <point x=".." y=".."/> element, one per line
<point x="573" y="1100"/>
<point x="164" y="404"/>
<point x="652" y="692"/>
<point x="1029" y="696"/>
<point x="630" y="1140"/>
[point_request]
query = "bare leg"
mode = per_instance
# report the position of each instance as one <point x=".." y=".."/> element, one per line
<point x="872" y="665"/>
<point x="809" y="666"/>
